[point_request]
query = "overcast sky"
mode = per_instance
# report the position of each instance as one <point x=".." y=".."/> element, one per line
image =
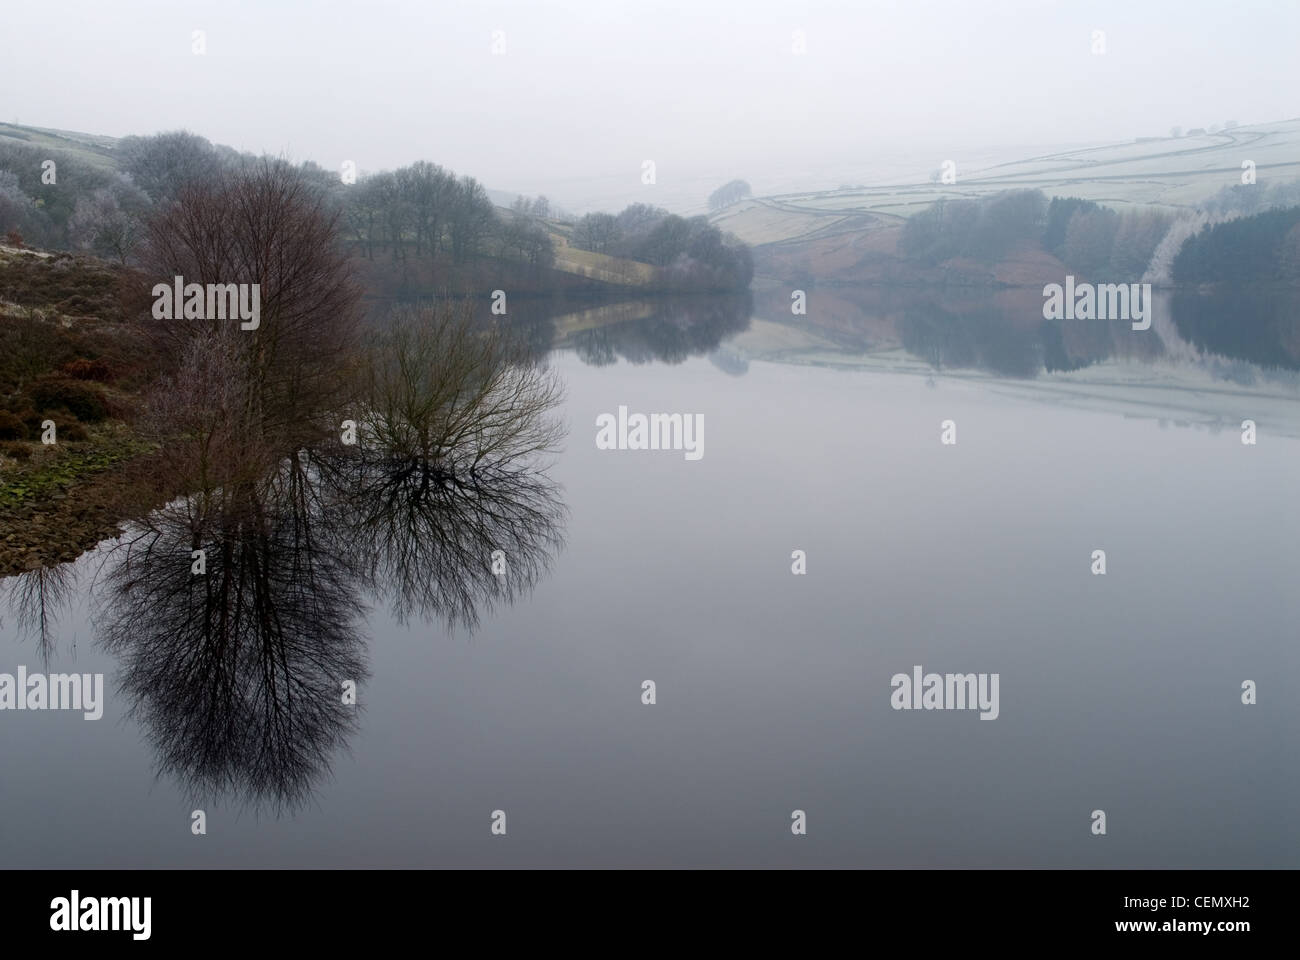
<point x="586" y="90"/>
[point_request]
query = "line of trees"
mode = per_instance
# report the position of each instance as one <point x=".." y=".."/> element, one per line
<point x="982" y="229"/>
<point x="423" y="210"/>
<point x="420" y="224"/>
<point x="1093" y="239"/>
<point x="1083" y="235"/>
<point x="420" y="210"/>
<point x="1259" y="248"/>
<point x="729" y="193"/>
<point x="691" y="253"/>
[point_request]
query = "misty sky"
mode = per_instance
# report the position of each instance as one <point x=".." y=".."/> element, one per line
<point x="708" y="89"/>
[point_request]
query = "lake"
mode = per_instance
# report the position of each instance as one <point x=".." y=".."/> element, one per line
<point x="1119" y="692"/>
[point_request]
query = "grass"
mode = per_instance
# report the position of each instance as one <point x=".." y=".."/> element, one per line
<point x="55" y="469"/>
<point x="602" y="267"/>
<point x="90" y="148"/>
<point x="64" y="346"/>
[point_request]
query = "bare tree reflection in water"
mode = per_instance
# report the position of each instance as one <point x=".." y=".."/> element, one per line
<point x="423" y="537"/>
<point x="450" y="469"/>
<point x="237" y="673"/>
<point x="35" y="598"/>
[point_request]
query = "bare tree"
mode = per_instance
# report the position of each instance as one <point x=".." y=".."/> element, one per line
<point x="472" y="218"/>
<point x="459" y="428"/>
<point x="163" y="164"/>
<point x="596" y="232"/>
<point x="109" y="221"/>
<point x="265" y="226"/>
<point x="467" y="399"/>
<point x="18" y="212"/>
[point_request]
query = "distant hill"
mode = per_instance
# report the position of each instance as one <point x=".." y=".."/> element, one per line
<point x="92" y="148"/>
<point x="99" y="150"/>
<point x="1165" y="172"/>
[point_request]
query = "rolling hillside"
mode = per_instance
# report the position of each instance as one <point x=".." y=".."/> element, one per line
<point x="1162" y="172"/>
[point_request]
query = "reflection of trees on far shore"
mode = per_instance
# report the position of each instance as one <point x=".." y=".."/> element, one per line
<point x="1019" y="345"/>
<point x="1260" y="325"/>
<point x="667" y="330"/>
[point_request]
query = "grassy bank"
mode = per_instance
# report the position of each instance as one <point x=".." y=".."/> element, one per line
<point x="72" y="371"/>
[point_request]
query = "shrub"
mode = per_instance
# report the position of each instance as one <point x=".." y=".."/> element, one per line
<point x="71" y="432"/>
<point x="16" y="450"/>
<point x="11" y="427"/>
<point x="32" y="421"/>
<point x="80" y="399"/>
<point x="83" y="369"/>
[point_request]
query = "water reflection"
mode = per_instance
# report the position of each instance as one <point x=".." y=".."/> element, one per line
<point x="1258" y="325"/>
<point x="236" y="611"/>
<point x="238" y="674"/>
<point x="667" y="329"/>
<point x="35" y="600"/>
<point x="996" y="331"/>
<point x="235" y="674"/>
<point x="1236" y="335"/>
<point x="439" y="543"/>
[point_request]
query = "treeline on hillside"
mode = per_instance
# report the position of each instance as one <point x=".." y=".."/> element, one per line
<point x="1094" y="240"/>
<point x="88" y="206"/>
<point x="1243" y="198"/>
<point x="981" y="229"/>
<point x="690" y="253"/>
<point x="1260" y="248"/>
<point x="420" y="220"/>
<point x="418" y="211"/>
<point x="423" y="210"/>
<point x="1083" y="235"/>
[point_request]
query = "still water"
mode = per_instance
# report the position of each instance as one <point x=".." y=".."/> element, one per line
<point x="1119" y="692"/>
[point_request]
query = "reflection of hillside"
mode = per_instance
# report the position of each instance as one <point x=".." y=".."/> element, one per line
<point x="1260" y="326"/>
<point x="1239" y="361"/>
<point x="668" y="329"/>
<point x="1001" y="332"/>
<point x="1170" y="172"/>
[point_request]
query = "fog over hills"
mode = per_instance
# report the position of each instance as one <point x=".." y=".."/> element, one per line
<point x="570" y="99"/>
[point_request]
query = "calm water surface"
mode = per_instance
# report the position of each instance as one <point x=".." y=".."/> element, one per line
<point x="1119" y="692"/>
